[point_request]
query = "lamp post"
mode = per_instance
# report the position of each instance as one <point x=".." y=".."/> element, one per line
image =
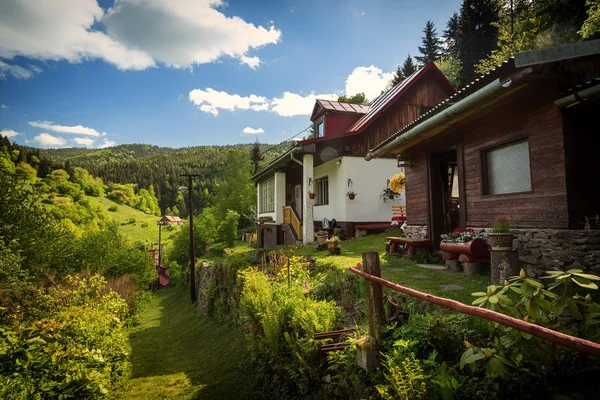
<point x="189" y="188"/>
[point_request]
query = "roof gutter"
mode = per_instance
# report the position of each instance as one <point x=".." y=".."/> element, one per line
<point x="294" y="159"/>
<point x="483" y="94"/>
<point x="577" y="97"/>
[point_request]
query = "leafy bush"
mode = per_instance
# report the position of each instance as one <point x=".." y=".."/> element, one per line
<point x="228" y="228"/>
<point x="79" y="350"/>
<point x="113" y="208"/>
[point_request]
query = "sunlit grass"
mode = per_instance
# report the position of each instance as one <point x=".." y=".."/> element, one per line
<point x="178" y="354"/>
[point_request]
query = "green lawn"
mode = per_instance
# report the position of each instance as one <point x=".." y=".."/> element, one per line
<point x="177" y="354"/>
<point x="401" y="270"/>
<point x="134" y="231"/>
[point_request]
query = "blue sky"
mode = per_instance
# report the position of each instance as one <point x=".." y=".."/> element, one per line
<point x="193" y="72"/>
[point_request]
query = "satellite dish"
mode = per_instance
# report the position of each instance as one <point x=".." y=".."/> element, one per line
<point x="328" y="153"/>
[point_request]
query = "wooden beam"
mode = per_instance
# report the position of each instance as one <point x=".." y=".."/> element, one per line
<point x="374" y="294"/>
<point x="571" y="342"/>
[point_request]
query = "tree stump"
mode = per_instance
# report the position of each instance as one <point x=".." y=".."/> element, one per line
<point x="504" y="264"/>
<point x="472" y="268"/>
<point x="454" y="265"/>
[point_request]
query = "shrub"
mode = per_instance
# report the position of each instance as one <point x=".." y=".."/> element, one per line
<point x="113" y="208"/>
<point x="228" y="228"/>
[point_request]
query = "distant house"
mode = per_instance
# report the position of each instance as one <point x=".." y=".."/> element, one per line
<point x="332" y="164"/>
<point x="521" y="142"/>
<point x="171" y="220"/>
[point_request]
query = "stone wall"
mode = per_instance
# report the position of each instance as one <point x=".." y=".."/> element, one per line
<point x="415" y="231"/>
<point x="544" y="249"/>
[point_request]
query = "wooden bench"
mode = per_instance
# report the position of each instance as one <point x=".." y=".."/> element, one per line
<point x="409" y="248"/>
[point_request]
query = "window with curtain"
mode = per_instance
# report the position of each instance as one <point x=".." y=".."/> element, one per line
<point x="322" y="191"/>
<point x="508" y="168"/>
<point x="267" y="195"/>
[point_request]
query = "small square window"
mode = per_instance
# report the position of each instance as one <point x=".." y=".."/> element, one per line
<point x="508" y="168"/>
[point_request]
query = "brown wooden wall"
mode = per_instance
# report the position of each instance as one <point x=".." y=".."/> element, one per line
<point x="428" y="91"/>
<point x="521" y="116"/>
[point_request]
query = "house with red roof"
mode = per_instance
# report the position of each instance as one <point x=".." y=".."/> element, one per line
<point x="307" y="187"/>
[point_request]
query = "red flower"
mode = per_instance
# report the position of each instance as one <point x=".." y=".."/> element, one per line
<point x="358" y="265"/>
<point x="457" y="230"/>
<point x="469" y="230"/>
<point x="308" y="263"/>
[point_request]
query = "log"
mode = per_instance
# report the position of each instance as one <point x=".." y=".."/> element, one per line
<point x="571" y="342"/>
<point x="476" y="248"/>
<point x="374" y="294"/>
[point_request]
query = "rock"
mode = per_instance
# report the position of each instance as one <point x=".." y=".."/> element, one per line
<point x="529" y="259"/>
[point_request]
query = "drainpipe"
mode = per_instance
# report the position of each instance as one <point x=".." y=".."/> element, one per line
<point x="485" y="93"/>
<point x="295" y="159"/>
<point x="577" y="97"/>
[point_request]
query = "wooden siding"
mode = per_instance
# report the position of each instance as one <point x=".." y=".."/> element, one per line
<point x="428" y="92"/>
<point x="337" y="124"/>
<point x="416" y="191"/>
<point x="536" y="119"/>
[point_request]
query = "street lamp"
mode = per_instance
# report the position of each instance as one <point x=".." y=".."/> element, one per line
<point x="189" y="189"/>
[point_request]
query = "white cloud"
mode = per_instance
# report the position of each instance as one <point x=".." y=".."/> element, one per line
<point x="4" y="106"/>
<point x="107" y="143"/>
<point x="77" y="130"/>
<point x="252" y="62"/>
<point x="16" y="71"/>
<point x="210" y="101"/>
<point x="9" y="133"/>
<point x="292" y="104"/>
<point x="47" y="140"/>
<point x="369" y="80"/>
<point x="250" y="131"/>
<point x="133" y="34"/>
<point x="84" y="141"/>
<point x="356" y="13"/>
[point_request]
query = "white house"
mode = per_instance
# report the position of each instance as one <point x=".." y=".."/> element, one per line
<point x="332" y="164"/>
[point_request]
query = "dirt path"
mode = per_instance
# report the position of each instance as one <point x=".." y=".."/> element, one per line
<point x="177" y="354"/>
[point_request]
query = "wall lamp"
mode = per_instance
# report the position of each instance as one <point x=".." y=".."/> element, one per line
<point x="310" y="181"/>
<point x="403" y="161"/>
<point x="338" y="162"/>
<point x="349" y="182"/>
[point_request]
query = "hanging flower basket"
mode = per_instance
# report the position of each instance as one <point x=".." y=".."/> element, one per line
<point x="351" y="195"/>
<point x="311" y="195"/>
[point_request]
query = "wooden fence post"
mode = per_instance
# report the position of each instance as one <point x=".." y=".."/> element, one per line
<point x="374" y="294"/>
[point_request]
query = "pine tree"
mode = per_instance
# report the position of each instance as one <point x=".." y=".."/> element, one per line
<point x="432" y="45"/>
<point x="450" y="35"/>
<point x="477" y="35"/>
<point x="255" y="156"/>
<point x="403" y="72"/>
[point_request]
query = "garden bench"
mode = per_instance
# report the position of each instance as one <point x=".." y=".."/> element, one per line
<point x="410" y="246"/>
<point x="398" y="213"/>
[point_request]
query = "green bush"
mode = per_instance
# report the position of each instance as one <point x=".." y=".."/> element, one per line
<point x="113" y="208"/>
<point x="79" y="350"/>
<point x="228" y="228"/>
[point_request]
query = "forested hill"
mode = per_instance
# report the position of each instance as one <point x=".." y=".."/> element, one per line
<point x="161" y="167"/>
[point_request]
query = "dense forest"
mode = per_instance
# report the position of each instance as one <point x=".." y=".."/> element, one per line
<point x="160" y="167"/>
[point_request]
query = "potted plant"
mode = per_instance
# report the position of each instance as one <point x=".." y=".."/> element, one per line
<point x="311" y="195"/>
<point x="333" y="241"/>
<point x="351" y="195"/>
<point x="501" y="237"/>
<point x="387" y="194"/>
<point x="321" y="237"/>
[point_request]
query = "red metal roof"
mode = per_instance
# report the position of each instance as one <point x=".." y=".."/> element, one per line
<point x="382" y="102"/>
<point x="338" y="106"/>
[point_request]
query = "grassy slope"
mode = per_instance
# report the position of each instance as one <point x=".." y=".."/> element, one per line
<point x="179" y="355"/>
<point x="135" y="231"/>
<point x="399" y="269"/>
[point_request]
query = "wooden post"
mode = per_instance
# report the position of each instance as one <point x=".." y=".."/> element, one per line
<point x="374" y="293"/>
<point x="504" y="264"/>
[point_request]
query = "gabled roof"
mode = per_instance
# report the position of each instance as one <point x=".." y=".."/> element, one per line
<point x="385" y="100"/>
<point x="337" y="106"/>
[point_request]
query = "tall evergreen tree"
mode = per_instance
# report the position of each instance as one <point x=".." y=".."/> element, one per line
<point x="477" y="36"/>
<point x="450" y="35"/>
<point x="255" y="156"/>
<point x="403" y="72"/>
<point x="432" y="45"/>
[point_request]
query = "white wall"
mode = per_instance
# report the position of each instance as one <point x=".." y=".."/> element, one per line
<point x="369" y="178"/>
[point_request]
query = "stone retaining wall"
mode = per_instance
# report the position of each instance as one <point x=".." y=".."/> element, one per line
<point x="416" y="231"/>
<point x="544" y="249"/>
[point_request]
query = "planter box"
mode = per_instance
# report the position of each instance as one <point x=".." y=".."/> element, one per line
<point x="474" y="248"/>
<point x="501" y="241"/>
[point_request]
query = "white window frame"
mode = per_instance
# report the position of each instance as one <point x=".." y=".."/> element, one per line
<point x="322" y="191"/>
<point x="321" y="123"/>
<point x="267" y="195"/>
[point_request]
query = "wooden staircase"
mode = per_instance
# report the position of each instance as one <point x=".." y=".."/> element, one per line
<point x="291" y="218"/>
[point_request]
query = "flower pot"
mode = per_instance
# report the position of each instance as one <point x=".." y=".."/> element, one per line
<point x="351" y="196"/>
<point x="391" y="196"/>
<point x="321" y="239"/>
<point x="501" y="241"/>
<point x="333" y="245"/>
<point x="474" y="248"/>
<point x="312" y="195"/>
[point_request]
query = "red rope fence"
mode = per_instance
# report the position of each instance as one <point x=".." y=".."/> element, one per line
<point x="571" y="342"/>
